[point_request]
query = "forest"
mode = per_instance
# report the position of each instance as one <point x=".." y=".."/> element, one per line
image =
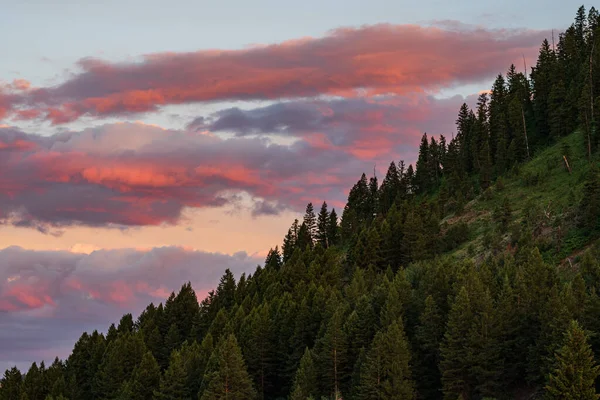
<point x="474" y="274"/>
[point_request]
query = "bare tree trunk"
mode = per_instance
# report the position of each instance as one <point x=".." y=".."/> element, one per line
<point x="589" y="139"/>
<point x="525" y="131"/>
<point x="567" y="164"/>
<point x="591" y="103"/>
<point x="335" y="372"/>
<point x="591" y="81"/>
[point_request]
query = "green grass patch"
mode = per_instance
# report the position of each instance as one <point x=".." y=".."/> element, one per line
<point x="541" y="190"/>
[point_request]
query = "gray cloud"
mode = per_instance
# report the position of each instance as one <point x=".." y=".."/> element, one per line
<point x="130" y="174"/>
<point x="48" y="298"/>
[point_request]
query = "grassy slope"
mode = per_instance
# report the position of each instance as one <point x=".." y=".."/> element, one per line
<point x="543" y="185"/>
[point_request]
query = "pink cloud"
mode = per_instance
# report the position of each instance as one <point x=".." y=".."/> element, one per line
<point x="34" y="279"/>
<point x="20" y="84"/>
<point x="131" y="174"/>
<point x="48" y="298"/>
<point x="371" y="60"/>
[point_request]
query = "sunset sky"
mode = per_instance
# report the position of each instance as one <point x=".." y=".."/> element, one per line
<point x="144" y="143"/>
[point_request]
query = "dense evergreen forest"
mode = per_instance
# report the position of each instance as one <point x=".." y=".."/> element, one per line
<point x="474" y="274"/>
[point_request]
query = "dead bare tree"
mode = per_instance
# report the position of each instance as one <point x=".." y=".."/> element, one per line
<point x="547" y="211"/>
<point x="522" y="111"/>
<point x="591" y="104"/>
<point x="567" y="164"/>
<point x="589" y="139"/>
<point x="525" y="131"/>
<point x="591" y="80"/>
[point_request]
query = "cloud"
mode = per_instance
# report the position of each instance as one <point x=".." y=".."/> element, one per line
<point x="131" y="174"/>
<point x="262" y="207"/>
<point x="48" y="298"/>
<point x="377" y="59"/>
<point x="363" y="127"/>
<point x="136" y="175"/>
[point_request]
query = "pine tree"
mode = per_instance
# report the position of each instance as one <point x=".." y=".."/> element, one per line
<point x="404" y="188"/>
<point x="225" y="294"/>
<point x="256" y="339"/>
<point x="332" y="350"/>
<point x="125" y="392"/>
<point x="55" y="379"/>
<point x="543" y="76"/>
<point x="434" y="163"/>
<point x="322" y="225"/>
<point x="580" y="26"/>
<point x="373" y="200"/>
<point x="310" y="220"/>
<point x="154" y="343"/>
<point x="498" y="121"/>
<point x="485" y="346"/>
<point x="391" y="238"/>
<point x="397" y="300"/>
<point x="482" y="126"/>
<point x="173" y="382"/>
<point x="172" y="340"/>
<point x="83" y="363"/>
<point x="518" y="147"/>
<point x="358" y="208"/>
<point x="557" y="111"/>
<point x="125" y="324"/>
<point x="33" y="383"/>
<point x="429" y="334"/>
<point x="455" y="362"/>
<point x="390" y="189"/>
<point x="386" y="371"/>
<point x="273" y="260"/>
<point x="226" y="376"/>
<point x="145" y="379"/>
<point x="502" y="155"/>
<point x="289" y="241"/>
<point x="305" y="240"/>
<point x="333" y="229"/>
<point x="11" y="384"/>
<point x="306" y="381"/>
<point x="422" y="179"/>
<point x="503" y="214"/>
<point x="413" y="243"/>
<point x="576" y="371"/>
<point x="112" y="333"/>
<point x="407" y="180"/>
<point x="464" y="136"/>
<point x="361" y="326"/>
<point x="183" y="310"/>
<point x="590" y="270"/>
<point x="590" y="203"/>
<point x="486" y="168"/>
<point x="195" y="358"/>
<point x="118" y="364"/>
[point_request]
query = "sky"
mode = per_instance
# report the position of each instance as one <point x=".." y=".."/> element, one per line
<point x="144" y="144"/>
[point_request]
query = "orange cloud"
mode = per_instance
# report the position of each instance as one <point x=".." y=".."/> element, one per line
<point x="20" y="84"/>
<point x="349" y="62"/>
<point x="131" y="174"/>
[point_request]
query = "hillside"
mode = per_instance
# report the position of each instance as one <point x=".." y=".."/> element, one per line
<point x="474" y="274"/>
<point x="543" y="194"/>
